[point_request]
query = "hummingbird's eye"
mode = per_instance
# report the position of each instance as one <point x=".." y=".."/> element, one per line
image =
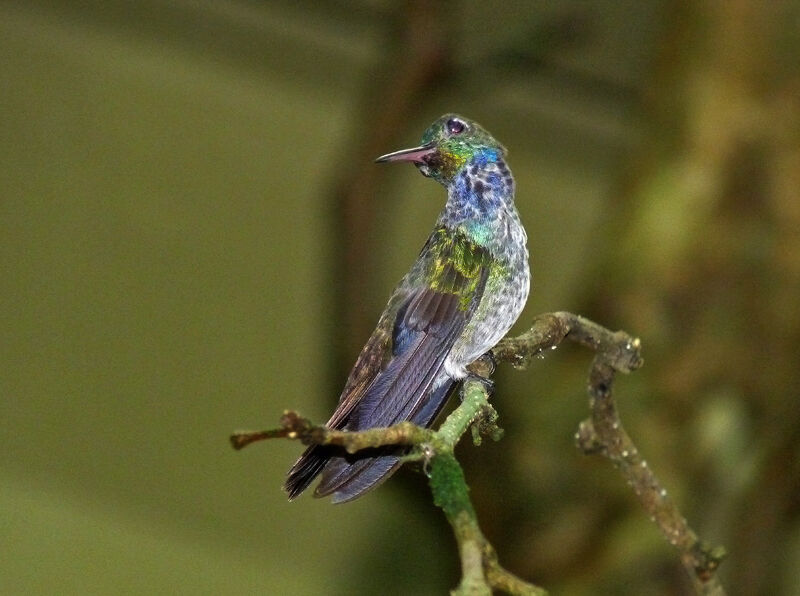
<point x="455" y="126"/>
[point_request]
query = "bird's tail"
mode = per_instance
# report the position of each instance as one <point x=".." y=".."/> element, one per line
<point x="305" y="469"/>
<point x="347" y="477"/>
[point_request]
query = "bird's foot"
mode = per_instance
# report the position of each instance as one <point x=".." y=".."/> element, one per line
<point x="483" y="366"/>
<point x="481" y="370"/>
<point x="487" y="383"/>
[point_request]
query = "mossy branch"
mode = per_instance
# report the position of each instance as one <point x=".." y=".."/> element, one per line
<point x="602" y="433"/>
<point x="481" y="571"/>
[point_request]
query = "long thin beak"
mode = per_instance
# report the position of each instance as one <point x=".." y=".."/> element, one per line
<point x="415" y="154"/>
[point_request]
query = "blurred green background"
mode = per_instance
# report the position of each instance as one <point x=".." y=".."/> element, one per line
<point x="194" y="238"/>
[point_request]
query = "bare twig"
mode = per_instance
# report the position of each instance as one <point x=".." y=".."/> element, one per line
<point x="603" y="433"/>
<point x="294" y="426"/>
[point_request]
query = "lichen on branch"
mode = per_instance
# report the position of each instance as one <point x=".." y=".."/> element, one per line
<point x="602" y="433"/>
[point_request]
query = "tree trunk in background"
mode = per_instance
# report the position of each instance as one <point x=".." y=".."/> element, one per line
<point x="418" y="57"/>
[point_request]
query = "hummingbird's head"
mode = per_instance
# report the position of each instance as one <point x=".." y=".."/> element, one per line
<point x="450" y="144"/>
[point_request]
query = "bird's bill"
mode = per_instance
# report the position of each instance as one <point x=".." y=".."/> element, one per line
<point x="415" y="154"/>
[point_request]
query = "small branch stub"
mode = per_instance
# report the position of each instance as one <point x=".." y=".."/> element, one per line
<point x="294" y="426"/>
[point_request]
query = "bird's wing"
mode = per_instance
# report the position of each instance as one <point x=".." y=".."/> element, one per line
<point x="425" y="317"/>
<point x="397" y="368"/>
<point x="349" y="477"/>
<point x="440" y="295"/>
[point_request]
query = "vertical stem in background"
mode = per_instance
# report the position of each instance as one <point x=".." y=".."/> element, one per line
<point x="418" y="58"/>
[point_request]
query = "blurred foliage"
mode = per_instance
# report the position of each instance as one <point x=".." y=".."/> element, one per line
<point x="173" y="177"/>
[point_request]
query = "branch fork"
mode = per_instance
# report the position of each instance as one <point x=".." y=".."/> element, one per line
<point x="601" y="433"/>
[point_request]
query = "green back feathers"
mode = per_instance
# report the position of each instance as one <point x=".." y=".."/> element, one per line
<point x="456" y="265"/>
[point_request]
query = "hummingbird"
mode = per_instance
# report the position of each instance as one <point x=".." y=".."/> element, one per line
<point x="461" y="296"/>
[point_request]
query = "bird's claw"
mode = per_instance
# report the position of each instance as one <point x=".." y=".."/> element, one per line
<point x="488" y="384"/>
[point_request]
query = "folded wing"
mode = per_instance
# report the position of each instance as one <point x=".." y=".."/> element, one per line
<point x="399" y="375"/>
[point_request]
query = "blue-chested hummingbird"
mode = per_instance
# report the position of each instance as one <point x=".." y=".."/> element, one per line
<point x="461" y="296"/>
